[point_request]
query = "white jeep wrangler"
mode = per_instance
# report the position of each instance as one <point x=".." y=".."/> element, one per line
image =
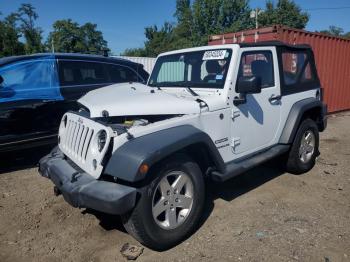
<point x="145" y="151"/>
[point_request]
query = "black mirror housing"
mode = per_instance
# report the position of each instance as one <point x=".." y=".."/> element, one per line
<point x="248" y="85"/>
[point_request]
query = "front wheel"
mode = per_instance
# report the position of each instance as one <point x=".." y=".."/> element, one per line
<point x="170" y="206"/>
<point x="304" y="150"/>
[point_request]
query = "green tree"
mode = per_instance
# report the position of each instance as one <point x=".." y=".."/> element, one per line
<point x="31" y="33"/>
<point x="67" y="36"/>
<point x="183" y="31"/>
<point x="9" y="37"/>
<point x="157" y="41"/>
<point x="135" y="52"/>
<point x="92" y="38"/>
<point x="235" y="15"/>
<point x="336" y="31"/>
<point x="285" y="12"/>
<point x="333" y="31"/>
<point x="215" y="17"/>
<point x="195" y="22"/>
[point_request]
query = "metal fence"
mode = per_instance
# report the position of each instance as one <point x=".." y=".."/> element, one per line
<point x="147" y="62"/>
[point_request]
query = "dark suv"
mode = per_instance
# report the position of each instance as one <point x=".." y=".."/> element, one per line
<point x="36" y="90"/>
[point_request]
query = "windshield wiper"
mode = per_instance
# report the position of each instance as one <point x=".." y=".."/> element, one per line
<point x="155" y="85"/>
<point x="189" y="89"/>
<point x="183" y="84"/>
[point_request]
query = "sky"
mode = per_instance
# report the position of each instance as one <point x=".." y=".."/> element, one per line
<point x="123" y="21"/>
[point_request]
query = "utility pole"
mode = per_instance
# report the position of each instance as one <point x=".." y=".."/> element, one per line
<point x="254" y="14"/>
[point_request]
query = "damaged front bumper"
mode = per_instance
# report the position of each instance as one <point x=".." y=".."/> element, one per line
<point x="81" y="190"/>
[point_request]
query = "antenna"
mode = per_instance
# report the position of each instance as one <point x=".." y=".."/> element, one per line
<point x="105" y="52"/>
<point x="52" y="46"/>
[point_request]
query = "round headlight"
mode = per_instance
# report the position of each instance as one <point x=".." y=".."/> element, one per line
<point x="101" y="140"/>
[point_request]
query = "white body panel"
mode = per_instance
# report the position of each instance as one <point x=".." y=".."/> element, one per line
<point x="256" y="124"/>
<point x="136" y="99"/>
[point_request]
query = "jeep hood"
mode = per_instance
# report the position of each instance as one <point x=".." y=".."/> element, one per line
<point x="136" y="99"/>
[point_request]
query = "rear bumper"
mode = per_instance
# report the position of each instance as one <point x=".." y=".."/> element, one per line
<point x="81" y="190"/>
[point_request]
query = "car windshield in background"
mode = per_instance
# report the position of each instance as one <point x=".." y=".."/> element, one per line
<point x="205" y="69"/>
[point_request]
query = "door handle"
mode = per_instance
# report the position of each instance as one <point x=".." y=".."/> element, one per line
<point x="274" y="98"/>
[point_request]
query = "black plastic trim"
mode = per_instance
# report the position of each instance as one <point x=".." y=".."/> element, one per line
<point x="125" y="161"/>
<point x="277" y="44"/>
<point x="236" y="168"/>
<point x="295" y="115"/>
<point x="82" y="190"/>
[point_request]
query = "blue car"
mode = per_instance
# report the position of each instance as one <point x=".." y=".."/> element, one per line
<point x="36" y="90"/>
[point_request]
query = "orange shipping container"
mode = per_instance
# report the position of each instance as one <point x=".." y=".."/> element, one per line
<point x="332" y="55"/>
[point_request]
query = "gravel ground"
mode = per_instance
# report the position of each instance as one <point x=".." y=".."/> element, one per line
<point x="263" y="215"/>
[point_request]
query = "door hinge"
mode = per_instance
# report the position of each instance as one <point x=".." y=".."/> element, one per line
<point x="235" y="114"/>
<point x="236" y="141"/>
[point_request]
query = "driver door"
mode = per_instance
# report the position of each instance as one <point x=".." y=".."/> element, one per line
<point x="256" y="122"/>
<point x="29" y="98"/>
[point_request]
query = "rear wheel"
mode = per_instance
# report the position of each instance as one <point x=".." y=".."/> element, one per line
<point x="170" y="206"/>
<point x="304" y="150"/>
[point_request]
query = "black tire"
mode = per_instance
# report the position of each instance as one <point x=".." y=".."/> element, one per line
<point x="294" y="163"/>
<point x="140" y="222"/>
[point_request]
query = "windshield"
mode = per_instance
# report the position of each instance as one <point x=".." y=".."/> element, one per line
<point x="205" y="69"/>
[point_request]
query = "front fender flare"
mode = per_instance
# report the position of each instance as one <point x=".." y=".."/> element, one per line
<point x="151" y="148"/>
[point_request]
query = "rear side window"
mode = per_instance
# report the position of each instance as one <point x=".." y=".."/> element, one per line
<point x="298" y="71"/>
<point x="82" y="73"/>
<point x="120" y="74"/>
<point x="259" y="64"/>
<point x="30" y="79"/>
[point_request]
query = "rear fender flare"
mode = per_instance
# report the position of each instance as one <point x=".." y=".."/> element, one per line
<point x="295" y="116"/>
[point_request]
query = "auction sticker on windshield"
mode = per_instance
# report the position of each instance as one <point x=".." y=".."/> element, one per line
<point x="214" y="55"/>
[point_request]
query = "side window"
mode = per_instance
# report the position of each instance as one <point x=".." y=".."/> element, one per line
<point x="30" y="79"/>
<point x="120" y="74"/>
<point x="296" y="68"/>
<point x="259" y="64"/>
<point x="81" y="73"/>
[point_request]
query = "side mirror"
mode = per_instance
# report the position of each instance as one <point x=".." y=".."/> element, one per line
<point x="246" y="85"/>
<point x="249" y="85"/>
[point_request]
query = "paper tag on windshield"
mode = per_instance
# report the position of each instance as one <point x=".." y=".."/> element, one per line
<point x="214" y="55"/>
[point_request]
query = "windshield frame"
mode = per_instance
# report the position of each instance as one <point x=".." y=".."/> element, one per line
<point x="192" y="84"/>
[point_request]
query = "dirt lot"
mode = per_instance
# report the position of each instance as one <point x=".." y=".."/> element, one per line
<point x="264" y="215"/>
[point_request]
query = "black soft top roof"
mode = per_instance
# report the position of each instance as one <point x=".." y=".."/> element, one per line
<point x="11" y="59"/>
<point x="275" y="43"/>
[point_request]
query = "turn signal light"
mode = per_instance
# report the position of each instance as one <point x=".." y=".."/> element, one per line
<point x="144" y="169"/>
